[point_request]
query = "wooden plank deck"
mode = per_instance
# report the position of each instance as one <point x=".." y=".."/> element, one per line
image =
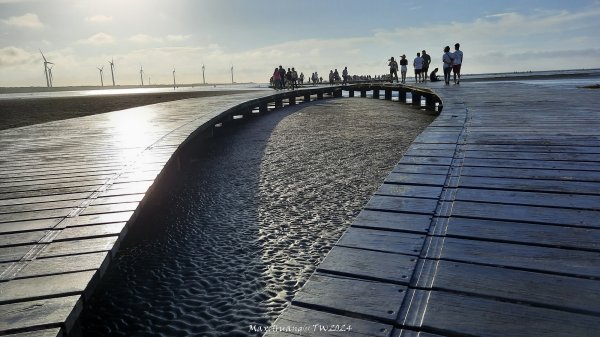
<point x="488" y="226"/>
<point x="70" y="189"/>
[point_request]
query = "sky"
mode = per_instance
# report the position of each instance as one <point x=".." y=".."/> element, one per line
<point x="255" y="36"/>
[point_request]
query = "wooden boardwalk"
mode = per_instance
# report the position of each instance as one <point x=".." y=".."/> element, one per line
<point x="70" y="189"/>
<point x="488" y="226"/>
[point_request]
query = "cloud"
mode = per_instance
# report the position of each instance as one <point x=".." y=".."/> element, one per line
<point x="177" y="38"/>
<point x="99" y="19"/>
<point x="12" y="56"/>
<point x="28" y="20"/>
<point x="145" y="39"/>
<point x="98" y="39"/>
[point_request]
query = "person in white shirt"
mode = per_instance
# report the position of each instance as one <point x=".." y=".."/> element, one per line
<point x="418" y="64"/>
<point x="457" y="59"/>
<point x="447" y="59"/>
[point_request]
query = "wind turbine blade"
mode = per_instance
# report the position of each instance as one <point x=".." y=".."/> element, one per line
<point x="43" y="56"/>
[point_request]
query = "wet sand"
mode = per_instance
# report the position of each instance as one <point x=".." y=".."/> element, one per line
<point x="249" y="218"/>
<point x="23" y="112"/>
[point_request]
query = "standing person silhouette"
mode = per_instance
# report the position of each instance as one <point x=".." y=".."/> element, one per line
<point x="426" y="62"/>
<point x="403" y="67"/>
<point x="457" y="59"/>
<point x="393" y="69"/>
<point x="418" y="64"/>
<point x="447" y="59"/>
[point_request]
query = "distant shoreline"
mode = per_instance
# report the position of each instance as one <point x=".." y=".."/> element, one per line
<point x="20" y="90"/>
<point x="29" y="111"/>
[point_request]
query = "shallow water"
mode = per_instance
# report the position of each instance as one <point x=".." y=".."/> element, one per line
<point x="249" y="218"/>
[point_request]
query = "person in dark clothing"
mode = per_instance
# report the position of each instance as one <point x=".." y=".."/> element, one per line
<point x="426" y="62"/>
<point x="282" y="77"/>
<point x="433" y="77"/>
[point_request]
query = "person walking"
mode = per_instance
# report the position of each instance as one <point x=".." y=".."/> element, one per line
<point x="403" y="67"/>
<point x="426" y="62"/>
<point x="393" y="69"/>
<point x="418" y="64"/>
<point x="457" y="60"/>
<point x="447" y="59"/>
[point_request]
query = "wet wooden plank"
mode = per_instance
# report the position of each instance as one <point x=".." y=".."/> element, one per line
<point x="393" y="221"/>
<point x="533" y="258"/>
<point x="400" y="204"/>
<point x="573" y="187"/>
<point x="380" y="301"/>
<point x="118" y="199"/>
<point x="30" y="225"/>
<point x="530" y="198"/>
<point x="93" y="231"/>
<point x="532" y="173"/>
<point x="415" y="191"/>
<point x="370" y="265"/>
<point x="431" y="152"/>
<point x="110" y="208"/>
<point x="79" y="247"/>
<point x="571" y="157"/>
<point x="379" y="240"/>
<point x="35" y="288"/>
<point x="34" y="215"/>
<point x="525" y="233"/>
<point x="298" y="321"/>
<point x="553" y="291"/>
<point x="97" y="219"/>
<point x="438" y="137"/>
<point x="421" y="169"/>
<point x="63" y="264"/>
<point x="23" y="238"/>
<point x="46" y="313"/>
<point x="43" y="199"/>
<point x="68" y="204"/>
<point x="426" y="160"/>
<point x="14" y="253"/>
<point x="474" y="316"/>
<point x="538" y="164"/>
<point x="534" y="148"/>
<point x="521" y="213"/>
<point x="418" y="179"/>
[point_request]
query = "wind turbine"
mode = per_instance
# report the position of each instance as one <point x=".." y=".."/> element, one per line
<point x="174" y="83"/>
<point x="112" y="70"/>
<point x="142" y="75"/>
<point x="101" y="78"/>
<point x="50" y="75"/>
<point x="46" y="63"/>
<point x="203" y="78"/>
<point x="232" y="74"/>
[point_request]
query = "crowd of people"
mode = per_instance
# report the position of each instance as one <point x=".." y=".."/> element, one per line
<point x="452" y="62"/>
